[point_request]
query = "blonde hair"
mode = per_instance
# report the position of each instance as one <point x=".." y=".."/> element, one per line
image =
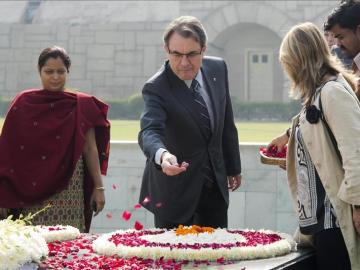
<point x="306" y="58"/>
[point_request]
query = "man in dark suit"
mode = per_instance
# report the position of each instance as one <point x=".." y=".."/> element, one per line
<point x="188" y="134"/>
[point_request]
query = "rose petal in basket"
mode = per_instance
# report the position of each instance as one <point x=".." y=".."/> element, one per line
<point x="272" y="160"/>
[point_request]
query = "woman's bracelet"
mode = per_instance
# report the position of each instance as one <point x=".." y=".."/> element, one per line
<point x="100" y="188"/>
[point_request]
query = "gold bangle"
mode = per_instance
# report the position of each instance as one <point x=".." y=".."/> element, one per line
<point x="100" y="188"/>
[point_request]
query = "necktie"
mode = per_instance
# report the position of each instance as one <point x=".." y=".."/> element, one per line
<point x="205" y="122"/>
<point x="202" y="109"/>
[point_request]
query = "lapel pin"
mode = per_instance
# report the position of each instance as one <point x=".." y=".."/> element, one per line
<point x="214" y="79"/>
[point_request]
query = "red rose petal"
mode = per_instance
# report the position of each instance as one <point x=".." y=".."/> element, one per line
<point x="137" y="206"/>
<point x="146" y="200"/>
<point x="158" y="205"/>
<point x="109" y="215"/>
<point x="138" y="226"/>
<point x="114" y="186"/>
<point x="126" y="215"/>
<point x="75" y="249"/>
<point x="273" y="152"/>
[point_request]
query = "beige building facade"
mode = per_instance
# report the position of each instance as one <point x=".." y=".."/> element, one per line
<point x="115" y="46"/>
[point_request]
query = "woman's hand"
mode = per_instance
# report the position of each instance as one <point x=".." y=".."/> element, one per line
<point x="356" y="219"/>
<point x="92" y="162"/>
<point x="279" y="142"/>
<point x="97" y="200"/>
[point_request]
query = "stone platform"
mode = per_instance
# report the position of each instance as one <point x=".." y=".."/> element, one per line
<point x="303" y="259"/>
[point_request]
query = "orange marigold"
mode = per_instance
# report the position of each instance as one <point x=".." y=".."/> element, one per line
<point x="194" y="229"/>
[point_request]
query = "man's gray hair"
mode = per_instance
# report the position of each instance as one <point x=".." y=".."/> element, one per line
<point x="187" y="27"/>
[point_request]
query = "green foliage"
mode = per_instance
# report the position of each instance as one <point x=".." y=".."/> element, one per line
<point x="132" y="107"/>
<point x="264" y="111"/>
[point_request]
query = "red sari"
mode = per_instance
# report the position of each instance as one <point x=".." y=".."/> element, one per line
<point x="42" y="139"/>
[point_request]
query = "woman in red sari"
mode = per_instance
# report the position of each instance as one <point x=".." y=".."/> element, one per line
<point x="54" y="147"/>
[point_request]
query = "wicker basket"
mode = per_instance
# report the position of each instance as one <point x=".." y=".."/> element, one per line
<point x="272" y="160"/>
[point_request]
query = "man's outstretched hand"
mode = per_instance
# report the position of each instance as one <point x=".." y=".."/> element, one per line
<point x="170" y="165"/>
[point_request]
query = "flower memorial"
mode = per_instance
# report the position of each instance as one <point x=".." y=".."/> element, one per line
<point x="20" y="244"/>
<point x="191" y="243"/>
<point x="133" y="249"/>
<point x="58" y="233"/>
<point x="79" y="254"/>
<point x="194" y="229"/>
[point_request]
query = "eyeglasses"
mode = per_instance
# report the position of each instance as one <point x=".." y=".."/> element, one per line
<point x="189" y="56"/>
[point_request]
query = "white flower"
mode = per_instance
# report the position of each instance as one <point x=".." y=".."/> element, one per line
<point x="20" y="244"/>
<point x="58" y="233"/>
<point x="220" y="236"/>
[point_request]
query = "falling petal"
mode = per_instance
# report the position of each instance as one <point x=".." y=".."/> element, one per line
<point x="146" y="200"/>
<point x="138" y="226"/>
<point x="109" y="215"/>
<point x="114" y="186"/>
<point x="158" y="205"/>
<point x="126" y="215"/>
<point x="137" y="206"/>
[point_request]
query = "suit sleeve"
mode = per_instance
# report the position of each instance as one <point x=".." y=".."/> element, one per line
<point x="230" y="141"/>
<point x="152" y="124"/>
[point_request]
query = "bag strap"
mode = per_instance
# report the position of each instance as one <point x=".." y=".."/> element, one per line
<point x="331" y="134"/>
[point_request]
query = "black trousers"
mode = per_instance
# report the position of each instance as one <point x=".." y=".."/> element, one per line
<point x="331" y="252"/>
<point x="211" y="211"/>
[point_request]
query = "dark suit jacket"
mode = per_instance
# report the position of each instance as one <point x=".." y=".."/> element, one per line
<point x="170" y="121"/>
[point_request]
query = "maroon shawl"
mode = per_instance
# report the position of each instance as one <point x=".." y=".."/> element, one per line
<point x="41" y="141"/>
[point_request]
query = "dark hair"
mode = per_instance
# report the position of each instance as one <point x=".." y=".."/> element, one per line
<point x="186" y="26"/>
<point x="346" y="15"/>
<point x="54" y="52"/>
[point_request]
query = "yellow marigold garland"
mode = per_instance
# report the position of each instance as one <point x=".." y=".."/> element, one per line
<point x="193" y="229"/>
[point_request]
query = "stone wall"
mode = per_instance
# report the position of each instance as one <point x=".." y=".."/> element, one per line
<point x="263" y="200"/>
<point x="116" y="46"/>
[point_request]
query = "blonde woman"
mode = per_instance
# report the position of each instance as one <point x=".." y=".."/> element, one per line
<point x="324" y="182"/>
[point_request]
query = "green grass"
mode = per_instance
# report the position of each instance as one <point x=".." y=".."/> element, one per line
<point x="248" y="131"/>
<point x="126" y="130"/>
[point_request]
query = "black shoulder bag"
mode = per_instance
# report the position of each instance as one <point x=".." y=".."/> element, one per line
<point x="313" y="115"/>
<point x="331" y="134"/>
